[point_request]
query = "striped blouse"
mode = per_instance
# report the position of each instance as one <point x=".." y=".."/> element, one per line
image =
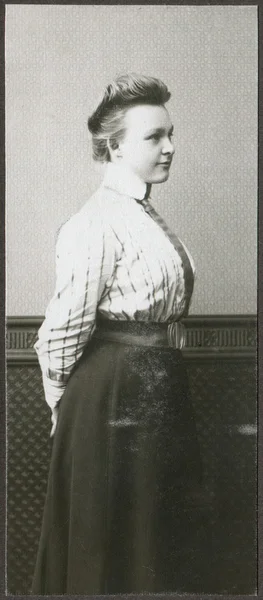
<point x="112" y="258"/>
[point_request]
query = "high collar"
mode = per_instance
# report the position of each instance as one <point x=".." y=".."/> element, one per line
<point x="124" y="181"/>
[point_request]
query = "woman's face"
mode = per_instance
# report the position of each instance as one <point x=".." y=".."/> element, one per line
<point x="147" y="147"/>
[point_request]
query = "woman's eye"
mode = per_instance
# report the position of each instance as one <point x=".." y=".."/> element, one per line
<point x="156" y="137"/>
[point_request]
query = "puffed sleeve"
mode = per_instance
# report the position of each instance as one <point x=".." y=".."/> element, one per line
<point x="85" y="260"/>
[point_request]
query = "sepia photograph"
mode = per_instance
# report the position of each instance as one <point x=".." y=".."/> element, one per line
<point x="131" y="143"/>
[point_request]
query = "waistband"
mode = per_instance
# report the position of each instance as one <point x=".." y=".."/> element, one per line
<point x="139" y="333"/>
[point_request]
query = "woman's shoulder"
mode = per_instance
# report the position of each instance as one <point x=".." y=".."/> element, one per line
<point x="100" y="212"/>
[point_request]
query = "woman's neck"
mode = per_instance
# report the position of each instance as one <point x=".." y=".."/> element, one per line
<point x="148" y="190"/>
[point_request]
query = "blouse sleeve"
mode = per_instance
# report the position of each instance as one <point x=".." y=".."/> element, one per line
<point x="85" y="260"/>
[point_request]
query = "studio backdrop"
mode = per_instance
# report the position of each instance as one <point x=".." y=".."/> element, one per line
<point x="58" y="60"/>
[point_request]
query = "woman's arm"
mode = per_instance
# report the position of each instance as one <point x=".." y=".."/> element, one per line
<point x="85" y="260"/>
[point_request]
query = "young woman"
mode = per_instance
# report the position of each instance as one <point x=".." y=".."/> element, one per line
<point x="120" y="512"/>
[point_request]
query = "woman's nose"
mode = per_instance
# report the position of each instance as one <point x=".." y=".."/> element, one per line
<point x="168" y="146"/>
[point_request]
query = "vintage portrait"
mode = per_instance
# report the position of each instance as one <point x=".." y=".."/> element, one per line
<point x="131" y="214"/>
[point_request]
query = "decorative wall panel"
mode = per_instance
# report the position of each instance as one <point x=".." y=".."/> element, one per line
<point x="27" y="461"/>
<point x="207" y="336"/>
<point x="222" y="370"/>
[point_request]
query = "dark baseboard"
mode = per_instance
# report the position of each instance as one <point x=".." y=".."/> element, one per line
<point x="208" y="336"/>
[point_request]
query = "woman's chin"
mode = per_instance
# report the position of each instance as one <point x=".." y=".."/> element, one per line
<point x="161" y="178"/>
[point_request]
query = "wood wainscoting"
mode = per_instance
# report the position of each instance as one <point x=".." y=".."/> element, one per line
<point x="221" y="358"/>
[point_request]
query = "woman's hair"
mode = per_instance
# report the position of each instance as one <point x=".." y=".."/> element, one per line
<point x="106" y="122"/>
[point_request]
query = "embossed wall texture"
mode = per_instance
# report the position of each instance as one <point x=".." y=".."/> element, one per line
<point x="220" y="355"/>
<point x="58" y="59"/>
<point x="224" y="400"/>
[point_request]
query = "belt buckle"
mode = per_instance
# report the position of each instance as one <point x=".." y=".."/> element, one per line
<point x="176" y="335"/>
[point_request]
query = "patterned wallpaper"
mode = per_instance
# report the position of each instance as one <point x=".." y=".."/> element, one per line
<point x="58" y="59"/>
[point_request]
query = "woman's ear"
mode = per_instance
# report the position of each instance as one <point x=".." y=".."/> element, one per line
<point x="114" y="148"/>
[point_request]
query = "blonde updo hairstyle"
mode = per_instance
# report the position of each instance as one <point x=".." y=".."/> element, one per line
<point x="106" y="124"/>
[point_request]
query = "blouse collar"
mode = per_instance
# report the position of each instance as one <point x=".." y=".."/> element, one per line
<point x="124" y="181"/>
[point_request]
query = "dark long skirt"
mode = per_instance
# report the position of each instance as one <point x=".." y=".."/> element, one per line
<point x="121" y="512"/>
